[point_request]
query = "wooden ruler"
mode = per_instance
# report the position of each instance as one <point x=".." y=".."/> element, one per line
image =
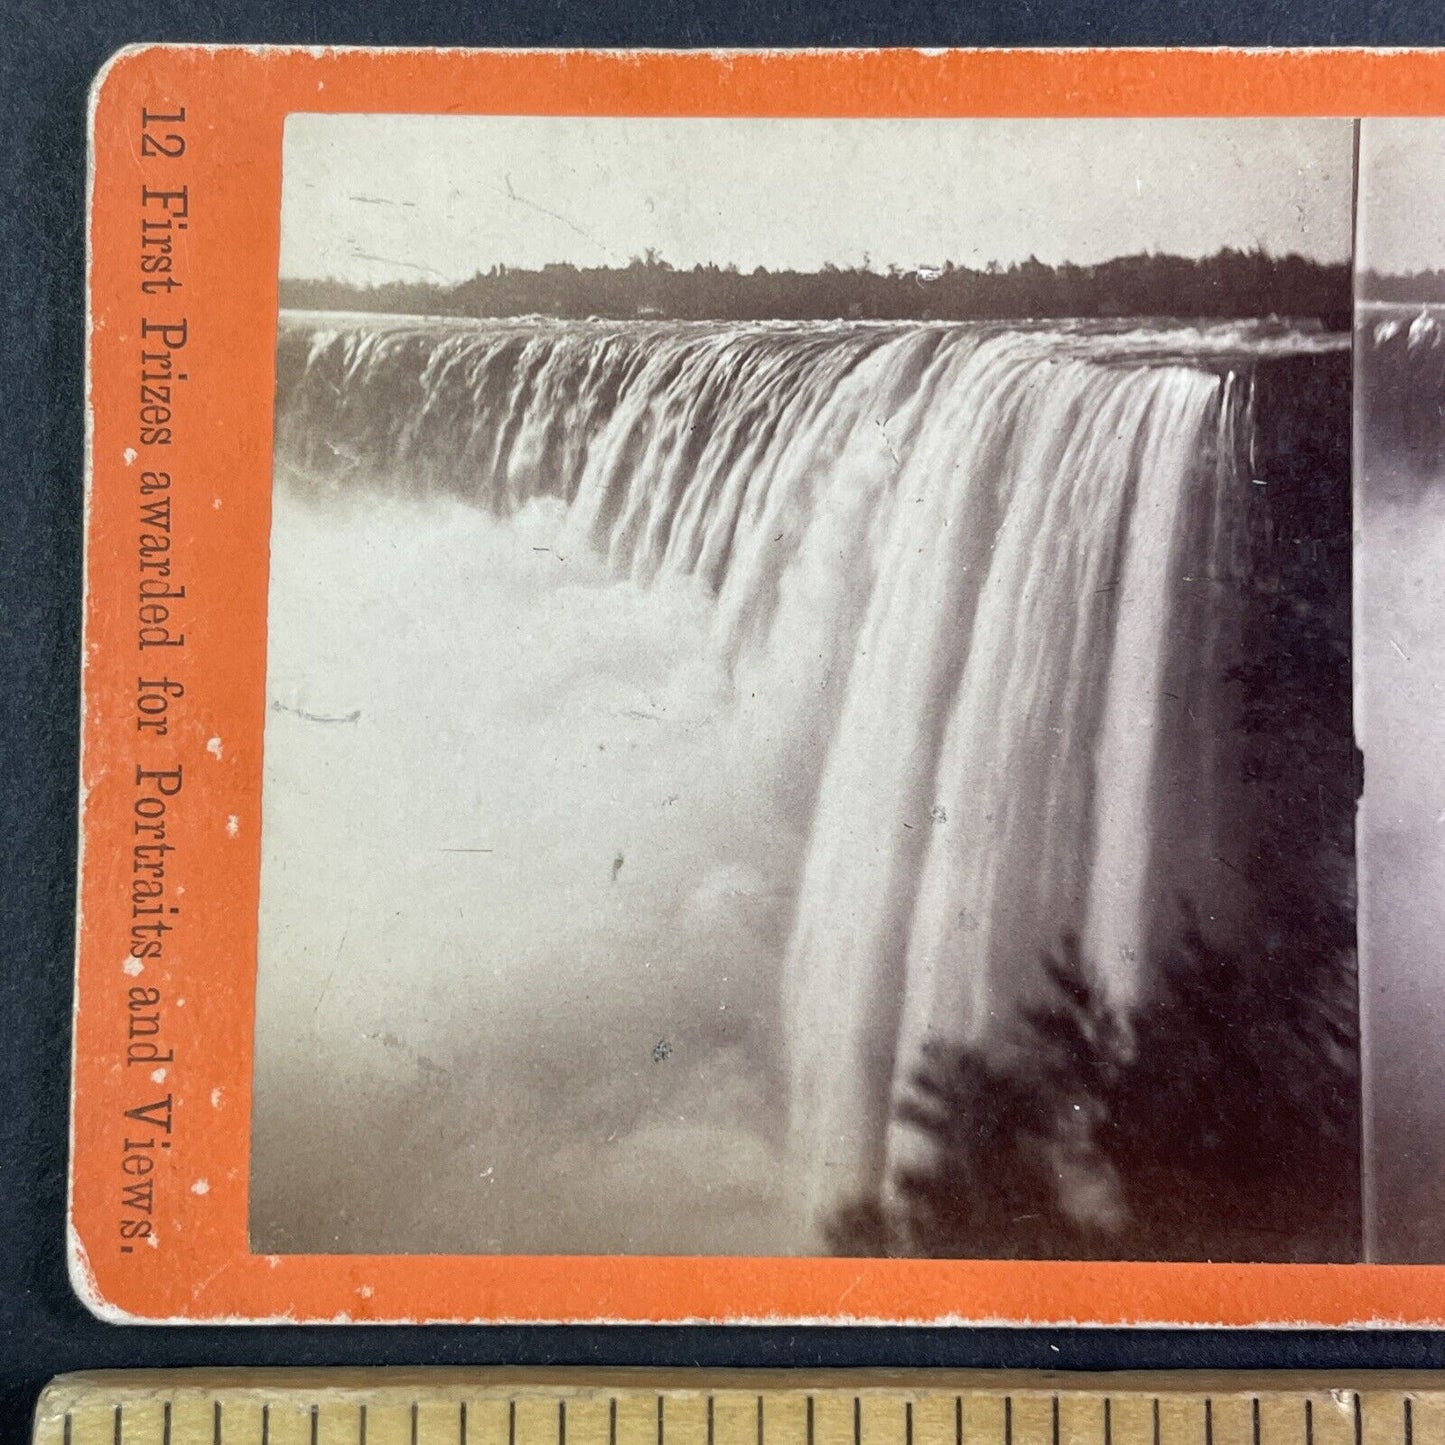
<point x="625" y="1407"/>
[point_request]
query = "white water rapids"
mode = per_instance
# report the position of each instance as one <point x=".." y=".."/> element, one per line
<point x="674" y="728"/>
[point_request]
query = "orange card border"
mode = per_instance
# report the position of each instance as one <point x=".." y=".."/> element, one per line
<point x="236" y="100"/>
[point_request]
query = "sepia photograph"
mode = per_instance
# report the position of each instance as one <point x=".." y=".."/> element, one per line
<point x="1400" y="675"/>
<point x="809" y="693"/>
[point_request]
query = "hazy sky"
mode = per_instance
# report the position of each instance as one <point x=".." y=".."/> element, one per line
<point x="370" y="198"/>
<point x="1402" y="194"/>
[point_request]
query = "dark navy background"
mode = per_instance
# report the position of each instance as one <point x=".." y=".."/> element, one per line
<point x="48" y="54"/>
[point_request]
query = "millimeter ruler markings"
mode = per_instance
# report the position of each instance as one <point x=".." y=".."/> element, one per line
<point x="625" y="1407"/>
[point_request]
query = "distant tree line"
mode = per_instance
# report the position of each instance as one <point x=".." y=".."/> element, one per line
<point x="1411" y="288"/>
<point x="1230" y="283"/>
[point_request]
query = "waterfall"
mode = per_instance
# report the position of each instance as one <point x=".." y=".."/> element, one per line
<point x="986" y="579"/>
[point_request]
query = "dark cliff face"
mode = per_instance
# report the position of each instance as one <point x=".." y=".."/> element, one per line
<point x="1254" y="1150"/>
<point x="1296" y="683"/>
